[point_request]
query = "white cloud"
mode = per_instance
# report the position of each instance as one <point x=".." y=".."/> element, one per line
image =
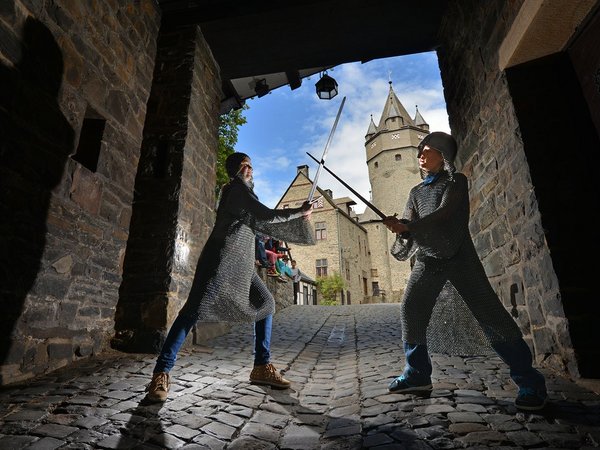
<point x="415" y="81"/>
<point x="366" y="94"/>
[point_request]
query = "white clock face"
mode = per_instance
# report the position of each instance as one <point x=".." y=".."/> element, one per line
<point x="420" y="136"/>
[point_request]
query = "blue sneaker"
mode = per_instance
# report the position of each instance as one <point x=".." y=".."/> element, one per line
<point x="402" y="385"/>
<point x="530" y="399"/>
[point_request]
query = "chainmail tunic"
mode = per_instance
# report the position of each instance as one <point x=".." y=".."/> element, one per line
<point x="449" y="303"/>
<point x="226" y="287"/>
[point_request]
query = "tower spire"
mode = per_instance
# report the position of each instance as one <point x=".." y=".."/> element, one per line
<point x="394" y="108"/>
<point x="372" y="129"/>
<point x="419" y="120"/>
<point x="390" y="156"/>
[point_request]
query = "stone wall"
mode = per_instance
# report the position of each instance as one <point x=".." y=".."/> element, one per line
<point x="174" y="206"/>
<point x="65" y="224"/>
<point x="282" y="292"/>
<point x="356" y="258"/>
<point x="506" y="222"/>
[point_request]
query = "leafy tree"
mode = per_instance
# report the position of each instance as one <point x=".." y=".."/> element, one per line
<point x="228" y="136"/>
<point x="329" y="287"/>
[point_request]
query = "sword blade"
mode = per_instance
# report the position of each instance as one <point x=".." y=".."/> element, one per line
<point x="364" y="200"/>
<point x="337" y="118"/>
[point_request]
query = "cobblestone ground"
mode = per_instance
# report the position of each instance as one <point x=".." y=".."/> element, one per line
<point x="340" y="360"/>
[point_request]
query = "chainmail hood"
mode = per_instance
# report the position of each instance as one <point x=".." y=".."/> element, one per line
<point x="232" y="163"/>
<point x="443" y="143"/>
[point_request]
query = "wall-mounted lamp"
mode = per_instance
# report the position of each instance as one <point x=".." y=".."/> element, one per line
<point x="327" y="87"/>
<point x="261" y="87"/>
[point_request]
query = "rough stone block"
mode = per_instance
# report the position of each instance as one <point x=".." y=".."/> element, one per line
<point x="89" y="311"/>
<point x="60" y="350"/>
<point x="86" y="190"/>
<point x="51" y="285"/>
<point x="47" y="443"/>
<point x="10" y="442"/>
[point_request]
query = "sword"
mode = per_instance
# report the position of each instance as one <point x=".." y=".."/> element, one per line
<point x="364" y="200"/>
<point x="322" y="162"/>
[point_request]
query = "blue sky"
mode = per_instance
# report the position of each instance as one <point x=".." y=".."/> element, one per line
<point x="283" y="125"/>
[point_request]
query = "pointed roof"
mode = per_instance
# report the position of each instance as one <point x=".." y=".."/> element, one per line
<point x="393" y="108"/>
<point x="372" y="128"/>
<point x="419" y="120"/>
<point x="392" y="112"/>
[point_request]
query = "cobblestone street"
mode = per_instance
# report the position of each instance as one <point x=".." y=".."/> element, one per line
<point x="340" y="360"/>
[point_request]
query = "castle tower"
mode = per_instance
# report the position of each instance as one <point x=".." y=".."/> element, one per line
<point x="391" y="149"/>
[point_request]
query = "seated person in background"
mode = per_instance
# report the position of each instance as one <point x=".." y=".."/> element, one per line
<point x="260" y="253"/>
<point x="272" y="255"/>
<point x="275" y="245"/>
<point x="270" y="244"/>
<point x="280" y="247"/>
<point x="283" y="268"/>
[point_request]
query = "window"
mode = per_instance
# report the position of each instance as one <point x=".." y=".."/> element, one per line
<point x="376" y="164"/>
<point x="374" y="273"/>
<point x="322" y="267"/>
<point x="398" y="157"/>
<point x="90" y="140"/>
<point x="320" y="231"/>
<point x="375" y="286"/>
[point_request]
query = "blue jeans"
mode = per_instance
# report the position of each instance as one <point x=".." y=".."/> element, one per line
<point x="261" y="253"/>
<point x="519" y="359"/>
<point x="515" y="354"/>
<point x="184" y="323"/>
<point x="417" y="369"/>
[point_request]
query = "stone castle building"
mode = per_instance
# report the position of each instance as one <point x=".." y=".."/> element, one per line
<point x="341" y="242"/>
<point x="357" y="246"/>
<point x="391" y="150"/>
<point x="109" y="115"/>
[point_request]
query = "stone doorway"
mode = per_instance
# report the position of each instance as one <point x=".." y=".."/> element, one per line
<point x="561" y="144"/>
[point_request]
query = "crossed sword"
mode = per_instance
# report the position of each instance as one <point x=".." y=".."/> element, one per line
<point x="322" y="166"/>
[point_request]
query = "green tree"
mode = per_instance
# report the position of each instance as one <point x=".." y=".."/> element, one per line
<point x="329" y="287"/>
<point x="229" y="125"/>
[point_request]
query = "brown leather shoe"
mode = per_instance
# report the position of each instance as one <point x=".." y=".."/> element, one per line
<point x="268" y="375"/>
<point x="158" y="389"/>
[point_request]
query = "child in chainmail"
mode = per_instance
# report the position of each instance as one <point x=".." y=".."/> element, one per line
<point x="434" y="230"/>
<point x="226" y="287"/>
